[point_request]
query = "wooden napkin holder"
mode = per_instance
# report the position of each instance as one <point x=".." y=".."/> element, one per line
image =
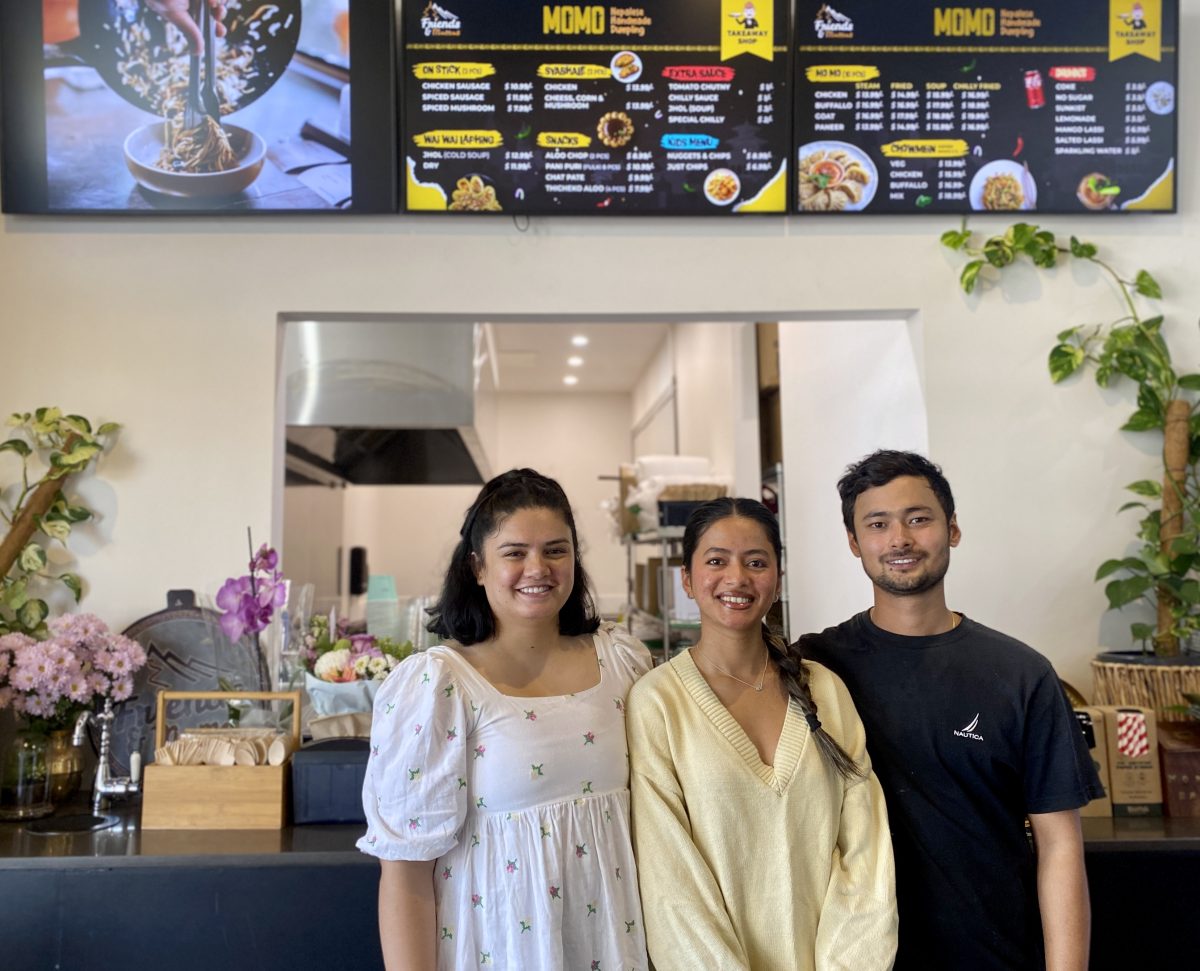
<point x="217" y="796"/>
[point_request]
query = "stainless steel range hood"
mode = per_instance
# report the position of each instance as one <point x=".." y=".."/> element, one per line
<point x="383" y="403"/>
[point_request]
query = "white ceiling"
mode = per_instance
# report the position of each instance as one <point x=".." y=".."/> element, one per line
<point x="533" y="357"/>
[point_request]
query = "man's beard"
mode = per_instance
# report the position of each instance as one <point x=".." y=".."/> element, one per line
<point x="910" y="586"/>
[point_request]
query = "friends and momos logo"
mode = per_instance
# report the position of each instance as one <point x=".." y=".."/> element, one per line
<point x="968" y="730"/>
<point x="439" y="22"/>
<point x="830" y="23"/>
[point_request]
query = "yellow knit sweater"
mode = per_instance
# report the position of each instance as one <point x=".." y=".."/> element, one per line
<point x="748" y="866"/>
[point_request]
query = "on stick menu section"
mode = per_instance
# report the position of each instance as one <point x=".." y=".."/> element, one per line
<point x="1065" y="106"/>
<point x="667" y="106"/>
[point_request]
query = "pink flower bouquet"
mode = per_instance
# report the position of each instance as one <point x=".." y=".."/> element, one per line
<point x="80" y="664"/>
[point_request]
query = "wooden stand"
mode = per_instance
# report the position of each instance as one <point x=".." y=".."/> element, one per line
<point x="217" y="796"/>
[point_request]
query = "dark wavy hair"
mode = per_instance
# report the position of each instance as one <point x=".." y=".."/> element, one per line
<point x="787" y="658"/>
<point x="881" y="467"/>
<point x="462" y="612"/>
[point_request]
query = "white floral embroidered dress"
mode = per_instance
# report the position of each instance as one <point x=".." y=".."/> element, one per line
<point x="523" y="803"/>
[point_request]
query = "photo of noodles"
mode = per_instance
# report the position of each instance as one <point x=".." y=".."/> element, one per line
<point x="472" y="194"/>
<point x="203" y="149"/>
<point x="834" y="178"/>
<point x="1003" y="186"/>
<point x="160" y="75"/>
<point x="1002" y="192"/>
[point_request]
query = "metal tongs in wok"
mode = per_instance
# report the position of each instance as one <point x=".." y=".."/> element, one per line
<point x="202" y="94"/>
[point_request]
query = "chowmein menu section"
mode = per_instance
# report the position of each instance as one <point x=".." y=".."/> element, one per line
<point x="665" y="106"/>
<point x="1066" y="106"/>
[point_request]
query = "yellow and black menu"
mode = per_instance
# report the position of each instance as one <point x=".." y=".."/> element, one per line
<point x="660" y="106"/>
<point x="1064" y="106"/>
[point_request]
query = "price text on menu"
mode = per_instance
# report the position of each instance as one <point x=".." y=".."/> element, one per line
<point x="1066" y="106"/>
<point x="665" y="106"/>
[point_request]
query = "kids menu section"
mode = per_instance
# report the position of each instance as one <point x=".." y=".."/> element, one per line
<point x="678" y="106"/>
<point x="1066" y="106"/>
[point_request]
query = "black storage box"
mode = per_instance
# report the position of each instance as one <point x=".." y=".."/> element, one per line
<point x="327" y="780"/>
<point x="675" y="512"/>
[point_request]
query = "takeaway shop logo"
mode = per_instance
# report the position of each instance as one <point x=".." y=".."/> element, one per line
<point x="439" y="22"/>
<point x="1135" y="18"/>
<point x="968" y="730"/>
<point x="830" y="23"/>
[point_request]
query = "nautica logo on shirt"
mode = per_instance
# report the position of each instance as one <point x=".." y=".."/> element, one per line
<point x="968" y="730"/>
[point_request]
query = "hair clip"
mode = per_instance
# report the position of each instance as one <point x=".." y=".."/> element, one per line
<point x="814" y="723"/>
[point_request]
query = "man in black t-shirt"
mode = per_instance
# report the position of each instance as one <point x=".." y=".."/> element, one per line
<point x="969" y="733"/>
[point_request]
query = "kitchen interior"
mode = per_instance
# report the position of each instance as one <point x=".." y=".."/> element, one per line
<point x="392" y="426"/>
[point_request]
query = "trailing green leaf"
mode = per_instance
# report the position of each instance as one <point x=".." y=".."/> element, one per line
<point x="955" y="239"/>
<point x="1142" y="421"/>
<point x="16" y="445"/>
<point x="1146" y="487"/>
<point x="1083" y="251"/>
<point x="32" y="558"/>
<point x="33" y="613"/>
<point x="1065" y="360"/>
<point x="1147" y="286"/>
<point x="970" y="275"/>
<point x="72" y="583"/>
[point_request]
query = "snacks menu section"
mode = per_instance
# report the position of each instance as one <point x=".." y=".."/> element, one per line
<point x="1064" y="106"/>
<point x="667" y="106"/>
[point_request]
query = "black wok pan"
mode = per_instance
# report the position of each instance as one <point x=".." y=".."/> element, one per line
<point x="272" y="33"/>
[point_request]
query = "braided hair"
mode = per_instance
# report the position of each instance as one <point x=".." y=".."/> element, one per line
<point x="787" y="658"/>
<point x="462" y="612"/>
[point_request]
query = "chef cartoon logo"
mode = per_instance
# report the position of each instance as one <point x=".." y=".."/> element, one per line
<point x="1135" y="28"/>
<point x="747" y="27"/>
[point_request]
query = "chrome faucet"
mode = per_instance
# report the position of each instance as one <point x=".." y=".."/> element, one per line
<point x="106" y="784"/>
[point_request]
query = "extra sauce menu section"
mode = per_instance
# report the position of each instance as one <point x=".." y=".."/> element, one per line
<point x="1066" y="106"/>
<point x="667" y="106"/>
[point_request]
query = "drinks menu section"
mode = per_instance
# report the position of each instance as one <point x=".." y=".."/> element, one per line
<point x="1065" y="106"/>
<point x="667" y="106"/>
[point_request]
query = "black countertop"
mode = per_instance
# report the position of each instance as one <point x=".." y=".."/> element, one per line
<point x="127" y="844"/>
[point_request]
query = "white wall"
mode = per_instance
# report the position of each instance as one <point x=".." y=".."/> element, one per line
<point x="847" y="388"/>
<point x="410" y="531"/>
<point x="716" y="399"/>
<point x="95" y="319"/>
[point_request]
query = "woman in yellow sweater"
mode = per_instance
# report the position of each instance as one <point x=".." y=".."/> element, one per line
<point x="760" y="830"/>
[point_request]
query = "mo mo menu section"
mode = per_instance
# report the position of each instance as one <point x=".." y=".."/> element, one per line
<point x="676" y="106"/>
<point x="1061" y="106"/>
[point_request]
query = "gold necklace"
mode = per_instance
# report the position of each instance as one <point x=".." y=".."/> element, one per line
<point x="762" y="679"/>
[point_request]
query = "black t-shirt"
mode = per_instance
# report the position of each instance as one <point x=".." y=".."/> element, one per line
<point x="968" y="731"/>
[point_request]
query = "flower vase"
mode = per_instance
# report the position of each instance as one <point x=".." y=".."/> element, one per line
<point x="65" y="762"/>
<point x="25" y="777"/>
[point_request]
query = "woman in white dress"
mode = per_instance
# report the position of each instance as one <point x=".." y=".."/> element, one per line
<point x="497" y="791"/>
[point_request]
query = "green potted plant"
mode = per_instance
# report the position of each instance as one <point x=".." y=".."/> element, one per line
<point x="1165" y="569"/>
<point x="37" y="512"/>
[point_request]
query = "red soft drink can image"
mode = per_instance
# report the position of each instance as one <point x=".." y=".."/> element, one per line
<point x="1035" y="96"/>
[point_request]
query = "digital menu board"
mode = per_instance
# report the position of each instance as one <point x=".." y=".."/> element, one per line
<point x="1066" y="106"/>
<point x="126" y="106"/>
<point x="663" y="106"/>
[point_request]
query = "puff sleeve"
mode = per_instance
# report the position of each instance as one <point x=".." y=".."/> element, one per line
<point x="858" y="924"/>
<point x="414" y="791"/>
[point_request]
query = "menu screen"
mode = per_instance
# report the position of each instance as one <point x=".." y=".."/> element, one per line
<point x="1066" y="106"/>
<point x="664" y="106"/>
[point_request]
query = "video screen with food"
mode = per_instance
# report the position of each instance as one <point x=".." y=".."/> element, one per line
<point x="198" y="105"/>
<point x="1063" y="107"/>
<point x="671" y="106"/>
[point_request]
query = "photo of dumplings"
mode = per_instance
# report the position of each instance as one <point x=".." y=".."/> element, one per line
<point x="472" y="194"/>
<point x="835" y="177"/>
